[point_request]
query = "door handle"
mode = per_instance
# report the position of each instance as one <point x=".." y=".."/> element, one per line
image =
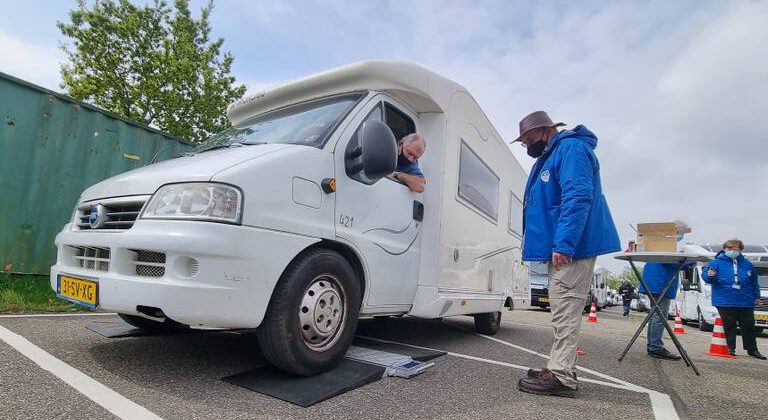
<point x="418" y="211"/>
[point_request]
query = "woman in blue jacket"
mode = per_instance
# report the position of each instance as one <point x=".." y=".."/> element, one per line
<point x="735" y="291"/>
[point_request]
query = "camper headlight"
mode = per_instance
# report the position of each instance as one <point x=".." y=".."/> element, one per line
<point x="196" y="201"/>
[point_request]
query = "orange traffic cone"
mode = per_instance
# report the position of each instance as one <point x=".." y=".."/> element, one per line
<point x="592" y="313"/>
<point x="679" y="324"/>
<point x="718" y="346"/>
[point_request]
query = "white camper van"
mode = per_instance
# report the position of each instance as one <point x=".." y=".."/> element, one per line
<point x="598" y="287"/>
<point x="694" y="299"/>
<point x="289" y="223"/>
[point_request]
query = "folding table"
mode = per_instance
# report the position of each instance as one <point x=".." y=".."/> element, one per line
<point x="677" y="258"/>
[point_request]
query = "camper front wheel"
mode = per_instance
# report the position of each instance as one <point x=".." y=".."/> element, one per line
<point x="488" y="323"/>
<point x="312" y="316"/>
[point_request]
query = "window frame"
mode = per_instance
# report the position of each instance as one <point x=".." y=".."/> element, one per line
<point x="382" y="101"/>
<point x="514" y="196"/>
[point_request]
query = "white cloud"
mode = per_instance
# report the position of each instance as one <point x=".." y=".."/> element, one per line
<point x="36" y="63"/>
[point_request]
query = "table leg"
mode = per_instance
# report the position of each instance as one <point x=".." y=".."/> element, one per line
<point x="655" y="307"/>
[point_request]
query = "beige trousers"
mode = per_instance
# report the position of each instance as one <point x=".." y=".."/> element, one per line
<point x="568" y="288"/>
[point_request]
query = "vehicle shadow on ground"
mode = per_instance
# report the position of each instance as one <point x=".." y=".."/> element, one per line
<point x="165" y="362"/>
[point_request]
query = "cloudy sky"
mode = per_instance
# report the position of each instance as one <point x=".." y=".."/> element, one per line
<point x="677" y="91"/>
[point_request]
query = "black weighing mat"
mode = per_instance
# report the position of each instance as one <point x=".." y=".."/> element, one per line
<point x="308" y="390"/>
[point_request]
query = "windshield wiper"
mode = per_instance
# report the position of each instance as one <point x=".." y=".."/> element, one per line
<point x="228" y="145"/>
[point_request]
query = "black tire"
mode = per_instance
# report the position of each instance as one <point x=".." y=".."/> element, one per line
<point x="167" y="326"/>
<point x="488" y="323"/>
<point x="293" y="336"/>
<point x="703" y="326"/>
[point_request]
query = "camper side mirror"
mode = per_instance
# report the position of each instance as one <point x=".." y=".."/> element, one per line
<point x="686" y="285"/>
<point x="375" y="153"/>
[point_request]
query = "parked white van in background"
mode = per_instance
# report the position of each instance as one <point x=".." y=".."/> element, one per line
<point x="288" y="222"/>
<point x="599" y="287"/>
<point x="694" y="299"/>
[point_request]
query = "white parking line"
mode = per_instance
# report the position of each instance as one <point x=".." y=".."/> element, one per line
<point x="100" y="394"/>
<point x="626" y="384"/>
<point x="56" y="315"/>
<point x="661" y="403"/>
<point x="489" y="361"/>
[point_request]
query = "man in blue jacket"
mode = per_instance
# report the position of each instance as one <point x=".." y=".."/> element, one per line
<point x="566" y="222"/>
<point x="656" y="276"/>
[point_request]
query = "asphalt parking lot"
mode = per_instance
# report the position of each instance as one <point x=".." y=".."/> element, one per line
<point x="179" y="376"/>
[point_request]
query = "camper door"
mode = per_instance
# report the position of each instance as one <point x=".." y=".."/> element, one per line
<point x="377" y="218"/>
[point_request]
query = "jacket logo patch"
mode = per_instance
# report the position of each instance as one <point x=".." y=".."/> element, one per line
<point x="545" y="175"/>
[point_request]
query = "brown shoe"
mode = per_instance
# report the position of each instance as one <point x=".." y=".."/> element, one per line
<point x="545" y="384"/>
<point x="534" y="373"/>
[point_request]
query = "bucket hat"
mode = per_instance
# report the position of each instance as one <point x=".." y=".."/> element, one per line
<point x="534" y="120"/>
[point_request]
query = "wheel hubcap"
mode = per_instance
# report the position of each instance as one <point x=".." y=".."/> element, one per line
<point x="322" y="313"/>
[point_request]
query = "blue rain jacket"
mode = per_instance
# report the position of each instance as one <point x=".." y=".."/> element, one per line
<point x="656" y="276"/>
<point x="565" y="210"/>
<point x="723" y="293"/>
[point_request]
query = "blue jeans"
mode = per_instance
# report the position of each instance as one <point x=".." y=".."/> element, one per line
<point x="626" y="305"/>
<point x="656" y="326"/>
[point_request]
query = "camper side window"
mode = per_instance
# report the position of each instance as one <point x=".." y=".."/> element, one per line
<point x="400" y="124"/>
<point x="515" y="215"/>
<point x="477" y="183"/>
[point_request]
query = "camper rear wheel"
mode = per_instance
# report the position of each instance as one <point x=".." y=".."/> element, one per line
<point x="488" y="323"/>
<point x="312" y="316"/>
<point x="155" y="327"/>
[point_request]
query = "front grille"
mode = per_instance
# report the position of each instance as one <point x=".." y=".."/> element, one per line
<point x="149" y="263"/>
<point x="91" y="257"/>
<point x="762" y="305"/>
<point x="539" y="292"/>
<point x="119" y="214"/>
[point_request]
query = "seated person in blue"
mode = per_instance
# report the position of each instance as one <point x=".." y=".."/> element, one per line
<point x="656" y="276"/>
<point x="409" y="149"/>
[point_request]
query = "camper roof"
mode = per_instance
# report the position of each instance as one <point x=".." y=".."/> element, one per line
<point x="422" y="89"/>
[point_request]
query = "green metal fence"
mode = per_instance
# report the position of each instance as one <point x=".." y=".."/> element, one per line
<point x="52" y="147"/>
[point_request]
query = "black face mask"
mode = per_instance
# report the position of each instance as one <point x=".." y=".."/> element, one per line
<point x="536" y="149"/>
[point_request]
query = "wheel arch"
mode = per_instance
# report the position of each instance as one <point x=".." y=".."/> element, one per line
<point x="348" y="253"/>
<point x="509" y="303"/>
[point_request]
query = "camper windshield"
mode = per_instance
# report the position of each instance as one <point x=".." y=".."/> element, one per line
<point x="309" y="124"/>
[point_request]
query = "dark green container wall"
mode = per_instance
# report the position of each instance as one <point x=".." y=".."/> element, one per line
<point x="52" y="147"/>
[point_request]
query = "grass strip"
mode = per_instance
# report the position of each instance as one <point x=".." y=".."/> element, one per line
<point x="27" y="293"/>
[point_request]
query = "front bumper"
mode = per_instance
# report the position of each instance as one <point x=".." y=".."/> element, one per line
<point x="213" y="275"/>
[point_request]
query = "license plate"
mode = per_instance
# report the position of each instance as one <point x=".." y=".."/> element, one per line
<point x="81" y="291"/>
<point x="543" y="299"/>
<point x="763" y="317"/>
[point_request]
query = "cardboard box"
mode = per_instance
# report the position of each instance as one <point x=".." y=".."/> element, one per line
<point x="659" y="237"/>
